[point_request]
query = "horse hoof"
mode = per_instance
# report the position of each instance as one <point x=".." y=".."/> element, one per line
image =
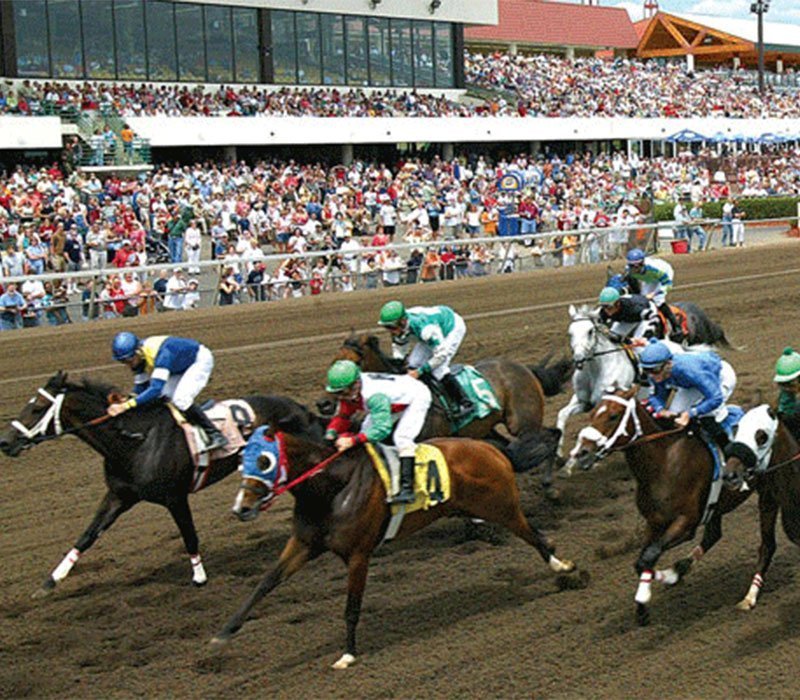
<point x="560" y="461"/>
<point x="745" y="605"/>
<point x="218" y="642"/>
<point x="345" y="661"/>
<point x="199" y="584"/>
<point x="642" y="615"/>
<point x="47" y="588"/>
<point x="552" y="493"/>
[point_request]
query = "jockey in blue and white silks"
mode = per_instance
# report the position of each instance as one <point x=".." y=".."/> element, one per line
<point x="653" y="278"/>
<point x="169" y="367"/>
<point x="703" y="382"/>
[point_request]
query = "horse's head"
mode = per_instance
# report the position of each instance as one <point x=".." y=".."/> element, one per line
<point x="263" y="469"/>
<point x="584" y="331"/>
<point x="752" y="449"/>
<point x="41" y="416"/>
<point x="614" y="424"/>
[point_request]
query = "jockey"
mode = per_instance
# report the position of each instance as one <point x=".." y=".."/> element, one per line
<point x="387" y="398"/>
<point x="787" y="377"/>
<point x="703" y="383"/>
<point x="439" y="331"/>
<point x="174" y="368"/>
<point x="629" y="316"/>
<point x="653" y="277"/>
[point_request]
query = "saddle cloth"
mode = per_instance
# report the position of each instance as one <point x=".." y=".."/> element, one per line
<point x="431" y="476"/>
<point x="735" y="414"/>
<point x="234" y="418"/>
<point x="477" y="389"/>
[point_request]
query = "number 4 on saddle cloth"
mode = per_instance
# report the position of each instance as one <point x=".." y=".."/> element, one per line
<point x="476" y="389"/>
<point x="234" y="418"/>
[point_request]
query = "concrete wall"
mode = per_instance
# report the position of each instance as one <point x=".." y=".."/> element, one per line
<point x="466" y="11"/>
<point x="30" y="132"/>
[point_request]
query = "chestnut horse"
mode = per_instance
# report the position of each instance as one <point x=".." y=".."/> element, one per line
<point x="767" y="453"/>
<point x="145" y="455"/>
<point x="343" y="509"/>
<point x="673" y="470"/>
<point x="520" y="391"/>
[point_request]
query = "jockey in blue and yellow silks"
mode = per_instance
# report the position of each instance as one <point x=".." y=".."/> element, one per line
<point x="174" y="368"/>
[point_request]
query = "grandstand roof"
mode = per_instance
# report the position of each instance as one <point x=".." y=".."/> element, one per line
<point x="775" y="33"/>
<point x="543" y="23"/>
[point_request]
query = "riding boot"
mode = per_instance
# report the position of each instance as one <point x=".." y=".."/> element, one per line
<point x="715" y="431"/>
<point x="406" y="492"/>
<point x="197" y="416"/>
<point x="676" y="334"/>
<point x="463" y="405"/>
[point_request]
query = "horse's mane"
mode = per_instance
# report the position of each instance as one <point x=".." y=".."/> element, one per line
<point x="96" y="387"/>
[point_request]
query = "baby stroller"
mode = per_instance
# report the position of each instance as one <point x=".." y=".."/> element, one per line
<point x="157" y="251"/>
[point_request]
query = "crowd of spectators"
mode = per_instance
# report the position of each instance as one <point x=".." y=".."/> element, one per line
<point x="238" y="213"/>
<point x="540" y="85"/>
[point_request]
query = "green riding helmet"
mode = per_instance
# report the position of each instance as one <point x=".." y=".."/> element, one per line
<point x="342" y="375"/>
<point x="608" y="296"/>
<point x="392" y="313"/>
<point x="787" y="368"/>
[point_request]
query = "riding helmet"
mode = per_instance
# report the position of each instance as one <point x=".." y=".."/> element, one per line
<point x="124" y="345"/>
<point x="391" y="313"/>
<point x="608" y="296"/>
<point x="787" y="368"/>
<point x="342" y="375"/>
<point x="655" y="355"/>
<point x="635" y="256"/>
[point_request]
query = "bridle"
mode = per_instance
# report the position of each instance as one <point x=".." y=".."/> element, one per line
<point x="580" y="362"/>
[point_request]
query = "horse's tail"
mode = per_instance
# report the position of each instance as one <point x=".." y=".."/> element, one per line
<point x="532" y="448"/>
<point x="703" y="330"/>
<point x="552" y="377"/>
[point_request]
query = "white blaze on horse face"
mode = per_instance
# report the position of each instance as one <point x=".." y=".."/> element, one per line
<point x="237" y="504"/>
<point x="755" y="424"/>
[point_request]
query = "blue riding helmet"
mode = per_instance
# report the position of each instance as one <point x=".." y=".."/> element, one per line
<point x="124" y="345"/>
<point x="655" y="355"/>
<point x="635" y="256"/>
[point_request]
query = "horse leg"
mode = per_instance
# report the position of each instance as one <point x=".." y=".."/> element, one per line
<point x="768" y="515"/>
<point x="645" y="565"/>
<point x="111" y="507"/>
<point x="574" y="407"/>
<point x="182" y="515"/>
<point x="357" y="567"/>
<point x="711" y="535"/>
<point x="294" y="555"/>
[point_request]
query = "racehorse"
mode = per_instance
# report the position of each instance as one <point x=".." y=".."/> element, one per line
<point x="599" y="364"/>
<point x="767" y="453"/>
<point x="673" y="469"/>
<point x="343" y="509"/>
<point x="520" y="391"/>
<point x="700" y="329"/>
<point x="145" y="455"/>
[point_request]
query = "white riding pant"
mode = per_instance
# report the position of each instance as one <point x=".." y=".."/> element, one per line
<point x="183" y="389"/>
<point x="410" y="423"/>
<point x="449" y="347"/>
<point x="684" y="399"/>
<point x="630" y="329"/>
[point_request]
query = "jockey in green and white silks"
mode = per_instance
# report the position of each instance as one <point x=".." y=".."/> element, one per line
<point x="787" y="377"/>
<point x="439" y="332"/>
<point x="653" y="278"/>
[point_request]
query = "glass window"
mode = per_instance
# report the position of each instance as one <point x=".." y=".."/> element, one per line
<point x="332" y="49"/>
<point x="30" y="22"/>
<point x="444" y="54"/>
<point x="308" y="49"/>
<point x="98" y="31"/>
<point x="162" y="64"/>
<point x="357" y="73"/>
<point x="65" y="38"/>
<point x="129" y="29"/>
<point x="378" y="33"/>
<point x="423" y="54"/>
<point x="246" y="46"/>
<point x="401" y="52"/>
<point x="219" y="44"/>
<point x="284" y="56"/>
<point x="191" y="42"/>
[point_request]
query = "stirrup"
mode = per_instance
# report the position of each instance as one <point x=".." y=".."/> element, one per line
<point x="404" y="497"/>
<point x="215" y="442"/>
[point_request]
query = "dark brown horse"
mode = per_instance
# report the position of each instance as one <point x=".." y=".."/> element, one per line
<point x="673" y="471"/>
<point x="145" y="455"/>
<point x="520" y="391"/>
<point x="343" y="509"/>
<point x="768" y="454"/>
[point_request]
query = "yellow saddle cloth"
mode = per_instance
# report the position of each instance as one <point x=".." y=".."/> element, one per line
<point x="431" y="477"/>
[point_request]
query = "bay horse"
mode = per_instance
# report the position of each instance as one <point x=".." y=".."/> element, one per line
<point x="673" y="470"/>
<point x="145" y="455"/>
<point x="343" y="509"/>
<point x="767" y="453"/>
<point x="520" y="391"/>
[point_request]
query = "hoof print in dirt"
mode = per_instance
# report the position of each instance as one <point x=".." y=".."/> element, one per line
<point x="574" y="581"/>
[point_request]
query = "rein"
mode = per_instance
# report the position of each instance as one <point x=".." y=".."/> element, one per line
<point x="651" y="438"/>
<point x="779" y="465"/>
<point x="70" y="431"/>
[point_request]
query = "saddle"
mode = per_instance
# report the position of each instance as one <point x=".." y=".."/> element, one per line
<point x="235" y="419"/>
<point x="680" y="316"/>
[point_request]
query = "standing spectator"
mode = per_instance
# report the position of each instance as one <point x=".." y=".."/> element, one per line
<point x="132" y="289"/>
<point x="54" y="304"/>
<point x="191" y="299"/>
<point x="36" y="253"/>
<point x="727" y="222"/>
<point x="97" y="246"/>
<point x="192" y="243"/>
<point x="126" y="136"/>
<point x="12" y="304"/>
<point x="429" y="271"/>
<point x="695" y="229"/>
<point x="739" y="214"/>
<point x="257" y="281"/>
<point x="176" y="288"/>
<point x="14" y="262"/>
<point x="228" y="287"/>
<point x="176" y="228"/>
<point x="98" y="145"/>
<point x="413" y="265"/>
<point x="388" y="215"/>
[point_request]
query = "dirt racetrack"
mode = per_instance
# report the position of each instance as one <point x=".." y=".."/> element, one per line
<point x="443" y="616"/>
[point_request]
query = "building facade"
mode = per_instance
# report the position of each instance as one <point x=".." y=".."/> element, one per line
<point x="417" y="43"/>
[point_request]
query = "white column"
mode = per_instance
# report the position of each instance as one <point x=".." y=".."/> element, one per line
<point x="570" y="53"/>
<point x="779" y="66"/>
<point x="347" y="153"/>
<point x="230" y="154"/>
<point x="512" y="49"/>
<point x="447" y="151"/>
<point x="690" y="62"/>
<point x="737" y="63"/>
